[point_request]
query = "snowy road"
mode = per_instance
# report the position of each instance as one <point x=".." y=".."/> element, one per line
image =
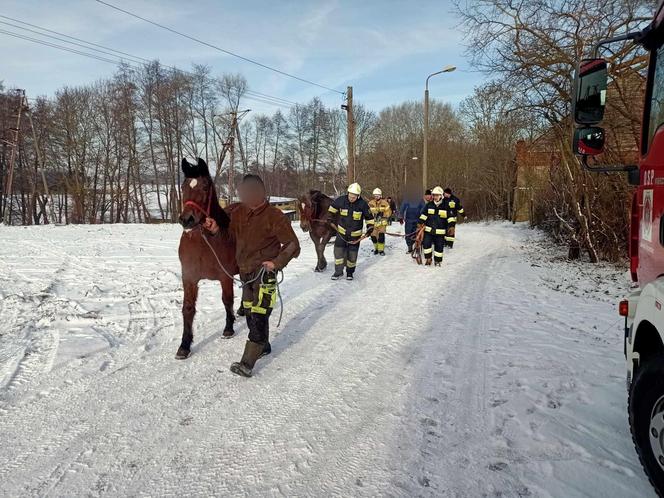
<point x="499" y="375"/>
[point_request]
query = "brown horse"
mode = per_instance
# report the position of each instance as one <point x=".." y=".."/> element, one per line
<point x="199" y="201"/>
<point x="313" y="211"/>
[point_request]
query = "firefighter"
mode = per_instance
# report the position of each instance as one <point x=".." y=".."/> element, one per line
<point x="434" y="219"/>
<point x="454" y="209"/>
<point x="265" y="243"/>
<point x="381" y="211"/>
<point x="347" y="214"/>
<point x="410" y="215"/>
<point x="427" y="196"/>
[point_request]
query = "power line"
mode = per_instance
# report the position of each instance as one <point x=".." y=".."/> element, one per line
<point x="139" y="59"/>
<point x="42" y="42"/>
<point x="215" y="47"/>
<point x="132" y="63"/>
<point x="68" y="36"/>
<point x="107" y="51"/>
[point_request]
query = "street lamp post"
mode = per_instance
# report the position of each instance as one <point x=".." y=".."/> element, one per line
<point x="446" y="69"/>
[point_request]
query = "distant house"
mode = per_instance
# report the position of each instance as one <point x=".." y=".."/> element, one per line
<point x="288" y="206"/>
<point x="533" y="161"/>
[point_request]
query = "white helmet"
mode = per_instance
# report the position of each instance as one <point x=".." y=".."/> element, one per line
<point x="378" y="191"/>
<point x="437" y="191"/>
<point x="354" y="188"/>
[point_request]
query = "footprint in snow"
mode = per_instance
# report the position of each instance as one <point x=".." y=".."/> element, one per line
<point x="498" y="466"/>
<point x="428" y="422"/>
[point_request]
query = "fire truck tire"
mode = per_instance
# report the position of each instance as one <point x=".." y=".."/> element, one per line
<point x="646" y="419"/>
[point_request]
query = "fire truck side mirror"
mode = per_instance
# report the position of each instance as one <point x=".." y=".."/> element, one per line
<point x="589" y="141"/>
<point x="590" y="81"/>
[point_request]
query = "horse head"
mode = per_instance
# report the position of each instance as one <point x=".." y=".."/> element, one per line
<point x="199" y="197"/>
<point x="305" y="209"/>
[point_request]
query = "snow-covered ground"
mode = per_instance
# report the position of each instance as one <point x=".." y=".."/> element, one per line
<point x="500" y="374"/>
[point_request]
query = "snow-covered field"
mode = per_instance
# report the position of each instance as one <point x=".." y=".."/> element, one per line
<point x="500" y="374"/>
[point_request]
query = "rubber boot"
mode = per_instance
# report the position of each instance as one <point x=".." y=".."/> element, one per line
<point x="252" y="351"/>
<point x="427" y="262"/>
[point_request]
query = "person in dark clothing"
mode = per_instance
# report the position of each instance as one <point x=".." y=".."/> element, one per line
<point x="393" y="209"/>
<point x="454" y="209"/>
<point x="265" y="243"/>
<point x="434" y="219"/>
<point x="409" y="217"/>
<point x="348" y="214"/>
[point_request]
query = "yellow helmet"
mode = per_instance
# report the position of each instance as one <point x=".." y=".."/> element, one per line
<point x="437" y="191"/>
<point x="378" y="191"/>
<point x="355" y="188"/>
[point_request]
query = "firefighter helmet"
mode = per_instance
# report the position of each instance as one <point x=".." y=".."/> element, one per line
<point x="437" y="191"/>
<point x="355" y="188"/>
<point x="378" y="191"/>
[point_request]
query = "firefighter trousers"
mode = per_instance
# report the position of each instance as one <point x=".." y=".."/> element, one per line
<point x="433" y="245"/>
<point x="258" y="300"/>
<point x="345" y="255"/>
<point x="378" y="241"/>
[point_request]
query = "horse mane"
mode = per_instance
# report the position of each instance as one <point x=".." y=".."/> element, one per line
<point x="217" y="213"/>
<point x="317" y="199"/>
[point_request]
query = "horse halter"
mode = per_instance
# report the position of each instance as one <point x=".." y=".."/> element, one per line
<point x="198" y="207"/>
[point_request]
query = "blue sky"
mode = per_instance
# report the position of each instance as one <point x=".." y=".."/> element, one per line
<point x="384" y="49"/>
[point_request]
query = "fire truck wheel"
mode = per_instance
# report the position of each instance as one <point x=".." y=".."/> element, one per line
<point x="646" y="419"/>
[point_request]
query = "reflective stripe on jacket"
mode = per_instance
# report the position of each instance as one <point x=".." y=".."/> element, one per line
<point x="434" y="218"/>
<point x="349" y="217"/>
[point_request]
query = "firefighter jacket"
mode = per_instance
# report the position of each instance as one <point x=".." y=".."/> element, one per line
<point x="349" y="217"/>
<point x="434" y="218"/>
<point x="381" y="211"/>
<point x="454" y="208"/>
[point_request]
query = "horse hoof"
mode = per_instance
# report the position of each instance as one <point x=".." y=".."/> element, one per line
<point x="182" y="354"/>
<point x="228" y="334"/>
<point x="317" y="270"/>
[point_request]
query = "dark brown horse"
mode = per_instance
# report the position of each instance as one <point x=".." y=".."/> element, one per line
<point x="313" y="211"/>
<point x="199" y="201"/>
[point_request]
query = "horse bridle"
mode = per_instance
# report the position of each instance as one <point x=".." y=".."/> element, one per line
<point x="198" y="207"/>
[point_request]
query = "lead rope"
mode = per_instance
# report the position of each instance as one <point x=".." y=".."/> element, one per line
<point x="260" y="275"/>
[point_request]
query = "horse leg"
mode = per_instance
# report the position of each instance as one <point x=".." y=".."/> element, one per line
<point x="324" y="240"/>
<point x="227" y="299"/>
<point x="188" y="312"/>
<point x="320" y="242"/>
<point x="317" y="241"/>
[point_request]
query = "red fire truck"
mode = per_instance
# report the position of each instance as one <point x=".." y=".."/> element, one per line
<point x="644" y="316"/>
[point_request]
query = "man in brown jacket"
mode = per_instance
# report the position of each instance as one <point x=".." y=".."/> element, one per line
<point x="265" y="243"/>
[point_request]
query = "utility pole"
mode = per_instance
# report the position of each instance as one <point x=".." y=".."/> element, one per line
<point x="426" y="138"/>
<point x="231" y="166"/>
<point x="229" y="147"/>
<point x="20" y="94"/>
<point x="40" y="162"/>
<point x="446" y="69"/>
<point x="350" y="132"/>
